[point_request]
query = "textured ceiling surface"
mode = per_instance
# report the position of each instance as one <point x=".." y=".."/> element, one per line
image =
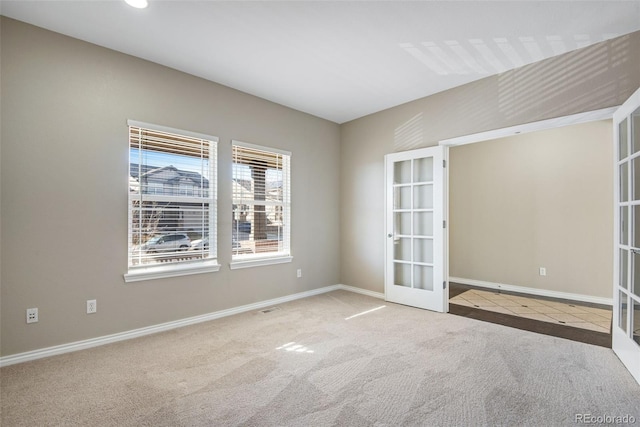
<point x="339" y="60"/>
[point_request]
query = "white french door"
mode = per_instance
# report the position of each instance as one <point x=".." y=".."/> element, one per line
<point x="415" y="244"/>
<point x="626" y="286"/>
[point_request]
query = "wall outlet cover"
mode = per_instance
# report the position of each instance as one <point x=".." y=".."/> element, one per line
<point x="92" y="306"/>
<point x="32" y="315"/>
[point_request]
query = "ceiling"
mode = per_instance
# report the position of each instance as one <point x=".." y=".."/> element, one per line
<point x="339" y="60"/>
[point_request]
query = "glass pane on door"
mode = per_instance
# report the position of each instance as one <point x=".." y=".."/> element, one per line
<point x="402" y="197"/>
<point x="402" y="249"/>
<point x="622" y="318"/>
<point x="622" y="140"/>
<point x="402" y="274"/>
<point x="624" y="263"/>
<point x="402" y="172"/>
<point x="423" y="277"/>
<point x="636" y="273"/>
<point x="635" y="182"/>
<point x="423" y="224"/>
<point x="423" y="250"/>
<point x="635" y="131"/>
<point x="635" y="322"/>
<point x="624" y="182"/>
<point x="423" y="170"/>
<point x="636" y="226"/>
<point x="624" y="224"/>
<point x="402" y="223"/>
<point x="423" y="196"/>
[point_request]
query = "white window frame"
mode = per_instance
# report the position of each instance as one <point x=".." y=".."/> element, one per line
<point x="269" y="258"/>
<point x="174" y="269"/>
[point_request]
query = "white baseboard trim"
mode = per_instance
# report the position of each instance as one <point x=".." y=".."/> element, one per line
<point x="532" y="291"/>
<point x="373" y="294"/>
<point x="135" y="333"/>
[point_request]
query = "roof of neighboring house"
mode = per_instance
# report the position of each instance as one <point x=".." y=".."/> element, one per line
<point x="147" y="171"/>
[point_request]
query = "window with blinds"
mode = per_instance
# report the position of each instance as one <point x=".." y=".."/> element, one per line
<point x="172" y="197"/>
<point x="261" y="202"/>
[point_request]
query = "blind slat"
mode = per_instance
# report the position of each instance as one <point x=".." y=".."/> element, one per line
<point x="253" y="157"/>
<point x="167" y="143"/>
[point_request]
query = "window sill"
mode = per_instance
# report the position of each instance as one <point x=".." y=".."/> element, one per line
<point x="258" y="262"/>
<point x="162" y="271"/>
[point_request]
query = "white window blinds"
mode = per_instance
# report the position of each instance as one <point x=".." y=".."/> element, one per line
<point x="172" y="196"/>
<point x="261" y="202"/>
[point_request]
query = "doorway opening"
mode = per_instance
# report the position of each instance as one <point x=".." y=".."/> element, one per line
<point x="530" y="226"/>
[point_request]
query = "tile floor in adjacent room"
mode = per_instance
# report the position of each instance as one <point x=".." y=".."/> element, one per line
<point x="585" y="316"/>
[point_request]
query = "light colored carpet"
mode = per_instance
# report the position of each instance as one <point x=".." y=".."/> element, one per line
<point x="311" y="363"/>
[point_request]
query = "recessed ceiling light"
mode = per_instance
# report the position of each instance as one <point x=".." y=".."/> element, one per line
<point x="139" y="4"/>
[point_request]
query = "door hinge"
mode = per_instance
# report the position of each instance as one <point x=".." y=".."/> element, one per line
<point x="444" y="163"/>
<point x="444" y="224"/>
<point x="444" y="285"/>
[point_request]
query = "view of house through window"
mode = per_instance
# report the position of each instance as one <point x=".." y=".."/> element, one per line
<point x="261" y="202"/>
<point x="172" y="196"/>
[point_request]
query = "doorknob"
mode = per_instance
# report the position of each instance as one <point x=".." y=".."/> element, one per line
<point x="389" y="235"/>
<point x="635" y="251"/>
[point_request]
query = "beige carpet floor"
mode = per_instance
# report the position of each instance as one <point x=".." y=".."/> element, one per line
<point x="340" y="359"/>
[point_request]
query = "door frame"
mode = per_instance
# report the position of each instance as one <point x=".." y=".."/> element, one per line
<point x="574" y="119"/>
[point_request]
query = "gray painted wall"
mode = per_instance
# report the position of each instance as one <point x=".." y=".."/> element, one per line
<point x="65" y="105"/>
<point x="595" y="77"/>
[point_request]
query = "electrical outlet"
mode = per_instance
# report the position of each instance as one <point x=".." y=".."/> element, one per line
<point x="32" y="315"/>
<point x="543" y="271"/>
<point x="299" y="273"/>
<point x="92" y="306"/>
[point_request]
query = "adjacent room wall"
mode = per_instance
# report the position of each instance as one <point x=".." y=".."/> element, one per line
<point x="599" y="76"/>
<point x="65" y="105"/>
<point x="542" y="199"/>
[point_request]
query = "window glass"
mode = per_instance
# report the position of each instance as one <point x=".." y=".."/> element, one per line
<point x="172" y="206"/>
<point x="261" y="202"/>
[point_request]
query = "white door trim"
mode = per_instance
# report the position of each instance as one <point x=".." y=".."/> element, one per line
<point x="574" y="119"/>
<point x="589" y="116"/>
